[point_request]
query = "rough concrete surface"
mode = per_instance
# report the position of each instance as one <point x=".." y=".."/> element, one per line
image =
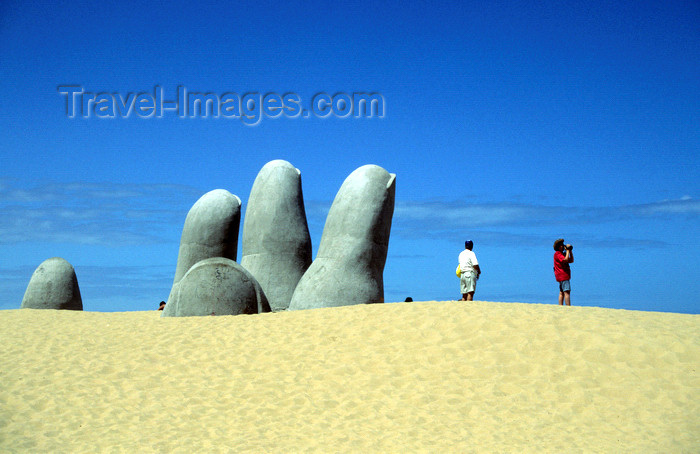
<point x="349" y="266"/>
<point x="217" y="286"/>
<point x="210" y="230"/>
<point x="53" y="285"/>
<point x="276" y="244"/>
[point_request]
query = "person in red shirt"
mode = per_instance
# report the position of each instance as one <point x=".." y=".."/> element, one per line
<point x="563" y="255"/>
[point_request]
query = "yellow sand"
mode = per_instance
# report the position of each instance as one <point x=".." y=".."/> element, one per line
<point x="410" y="377"/>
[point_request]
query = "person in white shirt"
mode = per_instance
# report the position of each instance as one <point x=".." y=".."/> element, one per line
<point x="470" y="271"/>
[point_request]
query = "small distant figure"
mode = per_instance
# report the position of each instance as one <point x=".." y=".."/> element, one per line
<point x="563" y="255"/>
<point x="470" y="271"/>
<point x="162" y="306"/>
<point x="408" y="300"/>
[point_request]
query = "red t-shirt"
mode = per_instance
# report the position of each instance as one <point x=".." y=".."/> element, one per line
<point x="562" y="270"/>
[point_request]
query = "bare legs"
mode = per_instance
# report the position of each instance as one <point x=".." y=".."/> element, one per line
<point x="565" y="297"/>
<point x="467" y="296"/>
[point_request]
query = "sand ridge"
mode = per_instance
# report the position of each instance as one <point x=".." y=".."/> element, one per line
<point x="417" y="377"/>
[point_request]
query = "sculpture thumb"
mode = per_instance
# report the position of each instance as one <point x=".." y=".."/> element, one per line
<point x="349" y="266"/>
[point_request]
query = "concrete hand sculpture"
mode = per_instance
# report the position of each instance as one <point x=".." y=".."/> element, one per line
<point x="276" y="272"/>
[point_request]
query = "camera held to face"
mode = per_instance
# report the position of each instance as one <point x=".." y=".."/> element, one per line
<point x="569" y="247"/>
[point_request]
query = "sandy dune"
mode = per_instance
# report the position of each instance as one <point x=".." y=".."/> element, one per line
<point x="407" y="377"/>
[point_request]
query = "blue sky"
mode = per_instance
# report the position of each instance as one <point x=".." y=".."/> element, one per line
<point x="508" y="124"/>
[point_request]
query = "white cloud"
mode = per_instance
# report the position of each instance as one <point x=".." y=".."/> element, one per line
<point x="445" y="215"/>
<point x="90" y="213"/>
<point x="119" y="214"/>
<point x="684" y="205"/>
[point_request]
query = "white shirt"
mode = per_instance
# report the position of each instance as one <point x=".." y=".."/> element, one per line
<point x="467" y="260"/>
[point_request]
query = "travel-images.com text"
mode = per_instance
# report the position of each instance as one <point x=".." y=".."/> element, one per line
<point x="249" y="108"/>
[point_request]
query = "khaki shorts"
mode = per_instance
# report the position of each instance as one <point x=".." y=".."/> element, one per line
<point x="467" y="282"/>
